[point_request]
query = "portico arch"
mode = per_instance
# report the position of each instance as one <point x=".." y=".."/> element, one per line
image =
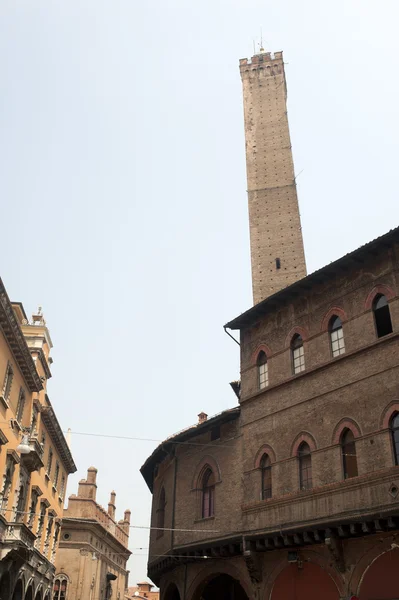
<point x="216" y="574"/>
<point x="220" y="587"/>
<point x="304" y="581"/>
<point x="5" y="587"/>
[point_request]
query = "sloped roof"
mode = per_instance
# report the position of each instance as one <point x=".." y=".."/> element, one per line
<point x="305" y="284"/>
<point x="182" y="437"/>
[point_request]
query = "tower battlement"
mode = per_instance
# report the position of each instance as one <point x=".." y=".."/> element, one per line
<point x="259" y="59"/>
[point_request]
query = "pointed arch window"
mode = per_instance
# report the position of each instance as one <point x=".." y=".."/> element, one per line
<point x="60" y="587"/>
<point x="297" y="353"/>
<point x="348" y="450"/>
<point x="266" y="477"/>
<point x="263" y="370"/>
<point x="161" y="513"/>
<point x="208" y="494"/>
<point x="305" y="467"/>
<point x="336" y="336"/>
<point x="382" y="316"/>
<point x="394" y="427"/>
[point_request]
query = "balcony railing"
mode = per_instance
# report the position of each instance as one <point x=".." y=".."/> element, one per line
<point x="19" y="532"/>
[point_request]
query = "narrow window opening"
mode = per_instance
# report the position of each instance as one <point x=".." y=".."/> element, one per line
<point x="336" y="336"/>
<point x="349" y="458"/>
<point x="305" y="467"/>
<point x="266" y="477"/>
<point x="49" y="462"/>
<point x="20" y="406"/>
<point x="263" y="371"/>
<point x="208" y="494"/>
<point x="382" y="316"/>
<point x="278" y="263"/>
<point x="395" y="436"/>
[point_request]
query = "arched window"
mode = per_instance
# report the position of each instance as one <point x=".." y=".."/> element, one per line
<point x="305" y="467"/>
<point x="60" y="587"/>
<point x="382" y="316"/>
<point x="336" y="336"/>
<point x="208" y="494"/>
<point x="266" y="477"/>
<point x="161" y="513"/>
<point x="298" y="356"/>
<point x="394" y="426"/>
<point x="263" y="371"/>
<point x="348" y="450"/>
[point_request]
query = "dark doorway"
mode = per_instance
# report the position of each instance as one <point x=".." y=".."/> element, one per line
<point x="223" y="587"/>
<point x="5" y="587"/>
<point x="172" y="593"/>
<point x="18" y="591"/>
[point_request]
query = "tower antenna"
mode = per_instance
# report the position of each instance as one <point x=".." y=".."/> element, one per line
<point x="261" y="41"/>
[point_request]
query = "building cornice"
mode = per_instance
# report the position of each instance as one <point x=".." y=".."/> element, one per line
<point x="55" y="432"/>
<point x="96" y="527"/>
<point x="43" y="361"/>
<point x="16" y="341"/>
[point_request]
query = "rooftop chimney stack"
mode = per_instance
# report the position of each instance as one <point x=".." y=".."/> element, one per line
<point x="202" y="417"/>
<point x="111" y="505"/>
<point x="88" y="487"/>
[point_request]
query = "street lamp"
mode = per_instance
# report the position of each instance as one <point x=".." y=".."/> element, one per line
<point x="23" y="447"/>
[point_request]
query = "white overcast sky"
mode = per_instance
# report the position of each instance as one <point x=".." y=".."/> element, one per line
<point x="123" y="194"/>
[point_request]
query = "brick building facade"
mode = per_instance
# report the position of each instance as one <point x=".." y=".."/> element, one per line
<point x="93" y="550"/>
<point x="294" y="494"/>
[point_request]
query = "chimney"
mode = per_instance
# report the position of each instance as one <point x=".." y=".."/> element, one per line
<point x="111" y="506"/>
<point x="202" y="417"/>
<point x="88" y="487"/>
<point x="126" y="522"/>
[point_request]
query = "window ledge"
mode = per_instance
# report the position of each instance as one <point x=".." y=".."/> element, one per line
<point x="204" y="519"/>
<point x="47" y="477"/>
<point x="54" y="488"/>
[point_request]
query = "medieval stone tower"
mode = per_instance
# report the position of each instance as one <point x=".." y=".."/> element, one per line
<point x="277" y="254"/>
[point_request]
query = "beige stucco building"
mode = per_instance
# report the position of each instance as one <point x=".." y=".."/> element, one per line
<point x="93" y="551"/>
<point x="35" y="460"/>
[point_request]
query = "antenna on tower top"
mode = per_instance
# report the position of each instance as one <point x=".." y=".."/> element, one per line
<point x="261" y="49"/>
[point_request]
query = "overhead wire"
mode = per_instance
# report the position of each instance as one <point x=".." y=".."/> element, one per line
<point x="37" y="514"/>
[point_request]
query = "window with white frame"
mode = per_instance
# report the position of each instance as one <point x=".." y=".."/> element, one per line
<point x="336" y="336"/>
<point x="263" y="370"/>
<point x="60" y="587"/>
<point x="298" y="354"/>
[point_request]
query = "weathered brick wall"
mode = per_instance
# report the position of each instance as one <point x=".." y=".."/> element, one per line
<point x="275" y="228"/>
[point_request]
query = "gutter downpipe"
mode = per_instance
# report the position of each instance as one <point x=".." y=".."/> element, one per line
<point x="229" y="334"/>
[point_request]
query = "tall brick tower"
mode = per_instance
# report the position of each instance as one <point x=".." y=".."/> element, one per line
<point x="277" y="254"/>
